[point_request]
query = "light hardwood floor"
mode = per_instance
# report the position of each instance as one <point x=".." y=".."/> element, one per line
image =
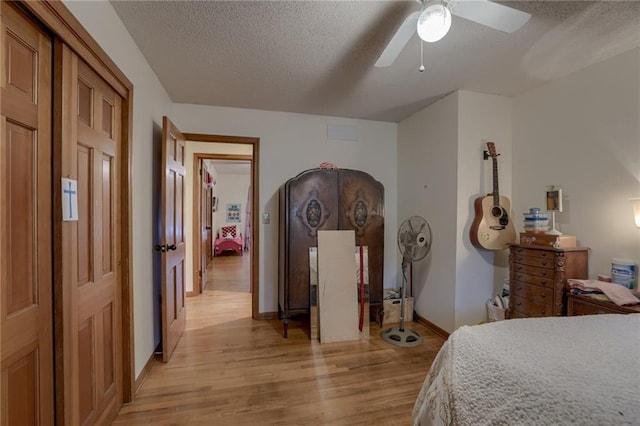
<point x="231" y="370"/>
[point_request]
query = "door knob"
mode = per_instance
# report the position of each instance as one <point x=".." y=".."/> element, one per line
<point x="160" y="247"/>
<point x="171" y="247"/>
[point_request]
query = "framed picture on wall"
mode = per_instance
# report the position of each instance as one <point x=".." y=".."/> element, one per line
<point x="233" y="212"/>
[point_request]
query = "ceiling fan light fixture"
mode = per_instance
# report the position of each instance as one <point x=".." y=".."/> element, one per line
<point x="434" y="22"/>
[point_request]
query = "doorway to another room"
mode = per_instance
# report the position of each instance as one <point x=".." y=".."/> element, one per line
<point x="223" y="220"/>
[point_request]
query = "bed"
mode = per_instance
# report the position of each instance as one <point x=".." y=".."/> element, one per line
<point x="582" y="370"/>
<point x="231" y="241"/>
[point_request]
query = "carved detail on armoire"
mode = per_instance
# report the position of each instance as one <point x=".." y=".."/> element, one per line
<point x="359" y="213"/>
<point x="313" y="213"/>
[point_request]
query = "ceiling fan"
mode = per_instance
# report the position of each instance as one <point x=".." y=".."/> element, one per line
<point x="433" y="21"/>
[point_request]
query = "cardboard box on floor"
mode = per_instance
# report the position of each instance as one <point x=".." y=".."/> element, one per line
<point x="392" y="310"/>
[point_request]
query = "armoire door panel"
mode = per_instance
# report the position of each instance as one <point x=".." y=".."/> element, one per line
<point x="26" y="336"/>
<point x="361" y="208"/>
<point x="312" y="207"/>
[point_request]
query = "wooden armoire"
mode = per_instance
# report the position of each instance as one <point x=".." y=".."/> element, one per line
<point x="327" y="199"/>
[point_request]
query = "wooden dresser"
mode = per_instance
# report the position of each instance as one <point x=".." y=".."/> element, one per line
<point x="324" y="199"/>
<point x="591" y="304"/>
<point x="537" y="278"/>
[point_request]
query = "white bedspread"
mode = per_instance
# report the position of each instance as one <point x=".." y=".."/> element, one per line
<point x="545" y="371"/>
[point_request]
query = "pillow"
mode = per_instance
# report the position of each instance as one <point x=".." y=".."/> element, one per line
<point x="229" y="231"/>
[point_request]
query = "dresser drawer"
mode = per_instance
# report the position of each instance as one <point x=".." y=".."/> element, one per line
<point x="544" y="254"/>
<point x="534" y="293"/>
<point x="580" y="308"/>
<point x="587" y="305"/>
<point x="542" y="262"/>
<point x="532" y="279"/>
<point x="532" y="270"/>
<point x="529" y="308"/>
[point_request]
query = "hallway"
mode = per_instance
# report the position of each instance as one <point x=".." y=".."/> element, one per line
<point x="231" y="370"/>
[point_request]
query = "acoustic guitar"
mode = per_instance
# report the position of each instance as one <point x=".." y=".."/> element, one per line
<point x="492" y="227"/>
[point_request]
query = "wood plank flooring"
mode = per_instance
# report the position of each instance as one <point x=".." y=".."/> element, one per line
<point x="231" y="370"/>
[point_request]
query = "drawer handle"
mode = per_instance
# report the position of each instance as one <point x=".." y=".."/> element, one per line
<point x="519" y="303"/>
<point x="543" y="263"/>
<point x="543" y="282"/>
<point x="543" y="295"/>
<point x="520" y="288"/>
<point x="519" y="259"/>
<point x="520" y="267"/>
<point x="544" y="273"/>
<point x="544" y="254"/>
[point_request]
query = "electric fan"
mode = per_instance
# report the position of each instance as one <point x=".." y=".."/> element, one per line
<point x="414" y="242"/>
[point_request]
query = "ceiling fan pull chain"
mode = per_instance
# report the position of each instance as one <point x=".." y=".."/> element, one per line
<point x="421" y="69"/>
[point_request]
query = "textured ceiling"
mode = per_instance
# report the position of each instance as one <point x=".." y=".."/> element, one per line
<point x="317" y="57"/>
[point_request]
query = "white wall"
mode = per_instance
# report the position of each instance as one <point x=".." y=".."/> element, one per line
<point x="427" y="182"/>
<point x="150" y="103"/>
<point x="480" y="273"/>
<point x="440" y="174"/>
<point x="290" y="144"/>
<point x="582" y="132"/>
<point x="231" y="188"/>
<point x="200" y="148"/>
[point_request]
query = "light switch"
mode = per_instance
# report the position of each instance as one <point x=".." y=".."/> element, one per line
<point x="266" y="218"/>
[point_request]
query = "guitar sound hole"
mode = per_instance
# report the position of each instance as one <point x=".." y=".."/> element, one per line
<point x="496" y="211"/>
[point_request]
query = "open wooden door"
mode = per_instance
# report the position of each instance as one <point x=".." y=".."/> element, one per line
<point x="209" y="225"/>
<point x="205" y="228"/>
<point x="172" y="244"/>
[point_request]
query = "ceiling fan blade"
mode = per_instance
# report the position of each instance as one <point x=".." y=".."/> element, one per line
<point x="398" y="41"/>
<point x="494" y="15"/>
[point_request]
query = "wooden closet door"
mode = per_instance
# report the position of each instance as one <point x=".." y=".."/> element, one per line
<point x="26" y="347"/>
<point x="361" y="208"/>
<point x="89" y="342"/>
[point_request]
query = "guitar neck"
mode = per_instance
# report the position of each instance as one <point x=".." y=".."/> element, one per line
<point x="496" y="192"/>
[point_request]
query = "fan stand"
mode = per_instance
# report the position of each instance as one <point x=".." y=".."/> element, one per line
<point x="401" y="336"/>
